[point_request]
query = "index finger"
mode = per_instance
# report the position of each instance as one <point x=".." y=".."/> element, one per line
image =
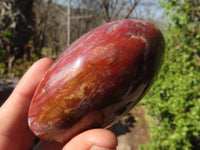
<point x="14" y="112"/>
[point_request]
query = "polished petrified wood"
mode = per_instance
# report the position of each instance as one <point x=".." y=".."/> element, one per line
<point x="97" y="79"/>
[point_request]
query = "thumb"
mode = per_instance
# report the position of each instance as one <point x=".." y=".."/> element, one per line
<point x="94" y="139"/>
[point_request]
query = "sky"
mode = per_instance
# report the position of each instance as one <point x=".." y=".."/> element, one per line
<point x="147" y="9"/>
<point x="144" y="4"/>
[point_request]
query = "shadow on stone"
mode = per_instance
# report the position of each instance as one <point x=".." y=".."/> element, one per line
<point x="124" y="125"/>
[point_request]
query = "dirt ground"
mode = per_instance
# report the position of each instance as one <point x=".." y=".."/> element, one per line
<point x="132" y="129"/>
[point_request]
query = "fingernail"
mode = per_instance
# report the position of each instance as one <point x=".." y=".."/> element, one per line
<point x="94" y="147"/>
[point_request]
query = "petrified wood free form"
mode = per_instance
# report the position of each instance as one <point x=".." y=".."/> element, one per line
<point x="97" y="79"/>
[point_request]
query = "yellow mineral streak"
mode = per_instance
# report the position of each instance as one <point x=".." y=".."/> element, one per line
<point x="58" y="108"/>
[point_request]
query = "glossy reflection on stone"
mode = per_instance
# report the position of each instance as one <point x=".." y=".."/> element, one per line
<point x="97" y="79"/>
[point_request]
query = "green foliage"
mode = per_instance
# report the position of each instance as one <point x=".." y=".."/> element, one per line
<point x="2" y="68"/>
<point x="34" y="58"/>
<point x="2" y="61"/>
<point x="7" y="34"/>
<point x="2" y="55"/>
<point x="31" y="42"/>
<point x="21" y="66"/>
<point x="174" y="99"/>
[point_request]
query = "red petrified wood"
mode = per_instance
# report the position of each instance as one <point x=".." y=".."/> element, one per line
<point x="97" y="79"/>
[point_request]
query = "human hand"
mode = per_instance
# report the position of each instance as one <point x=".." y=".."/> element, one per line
<point x="15" y="133"/>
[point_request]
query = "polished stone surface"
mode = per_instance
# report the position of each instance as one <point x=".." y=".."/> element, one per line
<point x="97" y="79"/>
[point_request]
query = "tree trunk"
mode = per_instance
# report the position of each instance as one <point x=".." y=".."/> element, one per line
<point x="17" y="17"/>
<point x="24" y="27"/>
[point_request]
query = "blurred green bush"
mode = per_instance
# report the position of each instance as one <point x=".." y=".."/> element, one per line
<point x="174" y="99"/>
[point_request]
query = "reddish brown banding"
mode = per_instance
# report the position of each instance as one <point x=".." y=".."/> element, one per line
<point x="101" y="75"/>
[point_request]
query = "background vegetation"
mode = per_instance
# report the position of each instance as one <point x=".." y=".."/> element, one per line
<point x="33" y="29"/>
<point x="174" y="99"/>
